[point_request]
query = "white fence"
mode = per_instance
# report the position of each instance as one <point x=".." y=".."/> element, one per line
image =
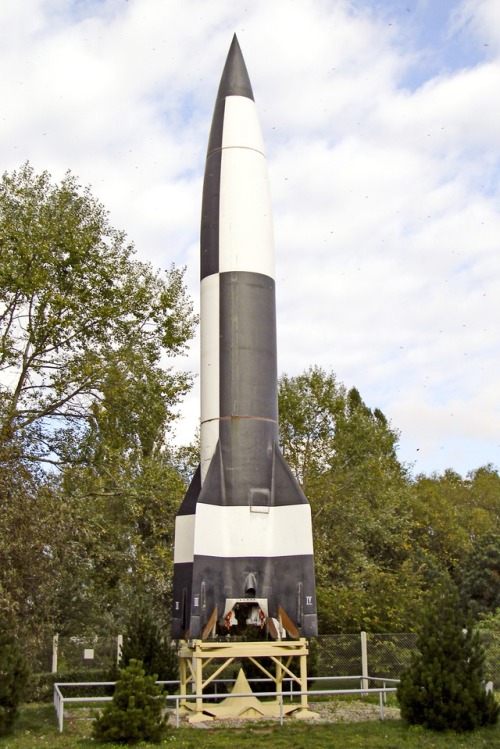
<point x="60" y="700"/>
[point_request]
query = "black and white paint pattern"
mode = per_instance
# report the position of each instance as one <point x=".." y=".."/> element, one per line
<point x="244" y="516"/>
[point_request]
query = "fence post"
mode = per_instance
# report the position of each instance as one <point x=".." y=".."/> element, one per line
<point x="119" y="646"/>
<point x="55" y="645"/>
<point x="364" y="661"/>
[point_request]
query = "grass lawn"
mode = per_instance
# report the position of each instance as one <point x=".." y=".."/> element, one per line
<point x="37" y="728"/>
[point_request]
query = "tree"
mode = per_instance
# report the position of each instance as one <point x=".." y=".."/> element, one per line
<point x="309" y="406"/>
<point x="121" y="547"/>
<point x="344" y="455"/>
<point x="489" y="628"/>
<point x="13" y="678"/>
<point x="450" y="517"/>
<point x="443" y="687"/>
<point x="135" y="714"/>
<point x="480" y="576"/>
<point x="83" y="329"/>
<point x="84" y="333"/>
<point x="78" y="316"/>
<point x="144" y="640"/>
<point x="33" y="529"/>
<point x="440" y="510"/>
<point x="484" y="500"/>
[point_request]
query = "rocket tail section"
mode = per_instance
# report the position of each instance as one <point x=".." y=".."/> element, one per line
<point x="255" y="555"/>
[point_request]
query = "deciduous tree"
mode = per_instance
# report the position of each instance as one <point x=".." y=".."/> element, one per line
<point x="86" y="331"/>
<point x="77" y="313"/>
<point x="344" y="455"/>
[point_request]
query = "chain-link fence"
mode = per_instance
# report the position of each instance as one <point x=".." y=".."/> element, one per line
<point x="89" y="652"/>
<point x="491" y="644"/>
<point x="337" y="655"/>
<point x="387" y="655"/>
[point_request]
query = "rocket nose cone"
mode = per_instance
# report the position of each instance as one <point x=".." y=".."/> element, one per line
<point x="235" y="80"/>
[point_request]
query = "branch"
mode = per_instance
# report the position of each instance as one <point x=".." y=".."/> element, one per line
<point x="52" y="408"/>
<point x="9" y="313"/>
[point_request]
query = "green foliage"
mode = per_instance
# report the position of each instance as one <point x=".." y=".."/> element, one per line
<point x="309" y="405"/>
<point x="13" y="678"/>
<point x="83" y="326"/>
<point x="450" y="514"/>
<point x="40" y="687"/>
<point x="480" y="576"/>
<point x="381" y="539"/>
<point x="490" y="622"/>
<point x="489" y="627"/>
<point x="443" y="688"/>
<point x="77" y="550"/>
<point x="31" y="520"/>
<point x="122" y="547"/>
<point x="373" y="599"/>
<point x="85" y="330"/>
<point x="136" y="711"/>
<point x="344" y="455"/>
<point x="144" y="641"/>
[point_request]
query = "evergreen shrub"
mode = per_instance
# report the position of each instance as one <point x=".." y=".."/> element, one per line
<point x="135" y="714"/>
<point x="145" y="641"/>
<point x="443" y="688"/>
<point x="13" y="679"/>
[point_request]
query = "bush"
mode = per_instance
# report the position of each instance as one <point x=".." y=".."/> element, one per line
<point x="13" y="679"/>
<point x="443" y="687"/>
<point x="136" y="711"/>
<point x="41" y="686"/>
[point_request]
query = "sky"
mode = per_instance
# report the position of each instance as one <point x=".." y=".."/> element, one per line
<point x="381" y="121"/>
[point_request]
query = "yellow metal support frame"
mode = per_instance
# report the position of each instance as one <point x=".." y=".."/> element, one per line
<point x="196" y="655"/>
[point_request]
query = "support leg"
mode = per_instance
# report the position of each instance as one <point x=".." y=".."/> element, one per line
<point x="199" y="684"/>
<point x="303" y="681"/>
<point x="279" y="677"/>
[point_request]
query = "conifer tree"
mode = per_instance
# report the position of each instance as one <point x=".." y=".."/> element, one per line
<point x="13" y="678"/>
<point x="145" y="641"/>
<point x="443" y="688"/>
<point x="135" y="714"/>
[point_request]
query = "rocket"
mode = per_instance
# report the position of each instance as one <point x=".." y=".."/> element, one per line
<point x="243" y="551"/>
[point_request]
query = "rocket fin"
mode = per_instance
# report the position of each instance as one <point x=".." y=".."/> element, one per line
<point x="286" y="487"/>
<point x="188" y="504"/>
<point x="211" y="624"/>
<point x="184" y="553"/>
<point x="183" y="558"/>
<point x="277" y="558"/>
<point x="213" y="491"/>
<point x="287" y="623"/>
<point x="271" y="628"/>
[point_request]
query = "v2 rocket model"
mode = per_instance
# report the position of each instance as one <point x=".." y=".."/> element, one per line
<point x="243" y="537"/>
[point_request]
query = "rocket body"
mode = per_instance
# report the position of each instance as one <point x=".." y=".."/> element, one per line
<point x="243" y="538"/>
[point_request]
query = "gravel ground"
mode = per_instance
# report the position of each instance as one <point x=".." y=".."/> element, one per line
<point x="352" y="711"/>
